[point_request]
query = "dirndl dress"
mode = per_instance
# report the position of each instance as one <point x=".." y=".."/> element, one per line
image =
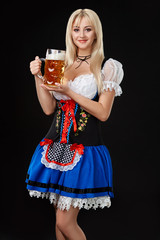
<point x="71" y="166"/>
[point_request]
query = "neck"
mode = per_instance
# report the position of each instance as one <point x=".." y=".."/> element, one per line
<point x="83" y="52"/>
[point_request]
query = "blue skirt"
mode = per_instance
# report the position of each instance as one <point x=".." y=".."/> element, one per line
<point x="83" y="177"/>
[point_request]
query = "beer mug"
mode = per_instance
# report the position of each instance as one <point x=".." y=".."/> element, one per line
<point x="54" y="67"/>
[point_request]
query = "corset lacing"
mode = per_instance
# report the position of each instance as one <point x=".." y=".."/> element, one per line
<point x="69" y="111"/>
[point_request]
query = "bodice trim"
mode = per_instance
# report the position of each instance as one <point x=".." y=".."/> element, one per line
<point x="86" y="84"/>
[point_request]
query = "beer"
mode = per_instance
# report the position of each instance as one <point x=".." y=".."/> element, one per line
<point x="54" y="67"/>
<point x="53" y="72"/>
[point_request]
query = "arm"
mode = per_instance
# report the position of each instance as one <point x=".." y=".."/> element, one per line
<point x="113" y="75"/>
<point x="100" y="109"/>
<point x="46" y="100"/>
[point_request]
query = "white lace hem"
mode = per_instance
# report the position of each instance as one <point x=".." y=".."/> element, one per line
<point x="112" y="85"/>
<point x="64" y="203"/>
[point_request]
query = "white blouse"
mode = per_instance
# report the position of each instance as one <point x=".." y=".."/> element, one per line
<point x="86" y="85"/>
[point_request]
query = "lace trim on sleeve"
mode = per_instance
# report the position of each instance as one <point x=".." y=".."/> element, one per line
<point x="112" y="86"/>
<point x="112" y="75"/>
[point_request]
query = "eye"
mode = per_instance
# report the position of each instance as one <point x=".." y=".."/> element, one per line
<point x="88" y="29"/>
<point x="76" y="29"/>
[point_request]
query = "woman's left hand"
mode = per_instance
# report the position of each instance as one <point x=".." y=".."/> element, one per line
<point x="61" y="88"/>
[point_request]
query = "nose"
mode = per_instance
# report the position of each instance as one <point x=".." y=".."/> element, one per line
<point x="81" y="33"/>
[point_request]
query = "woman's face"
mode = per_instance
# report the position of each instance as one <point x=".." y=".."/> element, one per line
<point x="83" y="35"/>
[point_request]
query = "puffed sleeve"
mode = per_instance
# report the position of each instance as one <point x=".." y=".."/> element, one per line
<point x="112" y="75"/>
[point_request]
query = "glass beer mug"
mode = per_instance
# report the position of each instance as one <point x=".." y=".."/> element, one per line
<point x="54" y="67"/>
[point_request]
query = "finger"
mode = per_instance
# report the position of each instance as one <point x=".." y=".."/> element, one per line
<point x="35" y="65"/>
<point x="57" y="89"/>
<point x="35" y="70"/>
<point x="57" y="84"/>
<point x="43" y="86"/>
<point x="47" y="88"/>
<point x="38" y="59"/>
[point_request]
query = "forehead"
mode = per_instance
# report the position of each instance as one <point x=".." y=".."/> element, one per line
<point x="82" y="21"/>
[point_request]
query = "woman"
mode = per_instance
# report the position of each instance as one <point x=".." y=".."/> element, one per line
<point x="71" y="166"/>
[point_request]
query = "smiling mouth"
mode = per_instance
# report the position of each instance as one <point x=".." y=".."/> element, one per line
<point x="82" y="41"/>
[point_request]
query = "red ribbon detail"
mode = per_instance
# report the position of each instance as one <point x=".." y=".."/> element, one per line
<point x="77" y="147"/>
<point x="68" y="107"/>
<point x="46" y="141"/>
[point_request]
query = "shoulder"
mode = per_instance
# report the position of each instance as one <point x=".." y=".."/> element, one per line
<point x="113" y="70"/>
<point x="112" y="64"/>
<point x="112" y="75"/>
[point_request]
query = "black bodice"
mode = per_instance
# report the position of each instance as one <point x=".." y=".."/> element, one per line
<point x="72" y="124"/>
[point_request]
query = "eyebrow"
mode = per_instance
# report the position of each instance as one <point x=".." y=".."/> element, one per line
<point x="84" y="27"/>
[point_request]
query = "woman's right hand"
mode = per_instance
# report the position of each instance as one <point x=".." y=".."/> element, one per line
<point x="35" y="66"/>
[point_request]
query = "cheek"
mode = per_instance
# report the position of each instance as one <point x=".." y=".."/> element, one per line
<point x="74" y="40"/>
<point x="92" y="37"/>
<point x="73" y="37"/>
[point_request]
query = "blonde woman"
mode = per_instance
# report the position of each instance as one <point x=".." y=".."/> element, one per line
<point x="71" y="166"/>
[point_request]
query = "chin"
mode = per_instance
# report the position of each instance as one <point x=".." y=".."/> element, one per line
<point x="83" y="46"/>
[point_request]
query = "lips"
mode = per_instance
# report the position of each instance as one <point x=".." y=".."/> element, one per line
<point x="82" y="41"/>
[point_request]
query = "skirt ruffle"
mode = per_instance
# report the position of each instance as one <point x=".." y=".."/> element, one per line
<point x="88" y="184"/>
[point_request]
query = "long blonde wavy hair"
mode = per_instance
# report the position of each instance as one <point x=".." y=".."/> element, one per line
<point x="97" y="55"/>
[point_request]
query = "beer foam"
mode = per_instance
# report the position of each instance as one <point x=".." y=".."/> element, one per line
<point x="56" y="56"/>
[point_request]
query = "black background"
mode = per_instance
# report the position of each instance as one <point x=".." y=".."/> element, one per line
<point x="131" y="133"/>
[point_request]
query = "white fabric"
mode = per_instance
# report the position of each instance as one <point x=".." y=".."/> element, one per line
<point x="112" y="76"/>
<point x="64" y="203"/>
<point x="85" y="85"/>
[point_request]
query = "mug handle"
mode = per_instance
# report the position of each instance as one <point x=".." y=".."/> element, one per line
<point x="38" y="75"/>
